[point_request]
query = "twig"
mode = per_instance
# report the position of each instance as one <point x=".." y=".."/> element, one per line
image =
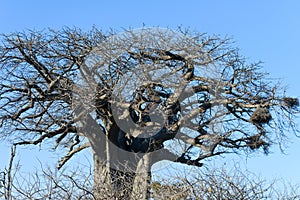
<point x="8" y="187"/>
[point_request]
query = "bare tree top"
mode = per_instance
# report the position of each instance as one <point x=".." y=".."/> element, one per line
<point x="195" y="93"/>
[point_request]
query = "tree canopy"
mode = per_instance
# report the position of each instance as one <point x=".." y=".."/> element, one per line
<point x="176" y="95"/>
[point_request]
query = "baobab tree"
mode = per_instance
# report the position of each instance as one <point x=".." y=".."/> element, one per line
<point x="137" y="98"/>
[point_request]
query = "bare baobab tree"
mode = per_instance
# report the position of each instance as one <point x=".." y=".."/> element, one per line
<point x="137" y="98"/>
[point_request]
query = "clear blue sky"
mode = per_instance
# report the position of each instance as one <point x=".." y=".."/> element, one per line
<point x="267" y="30"/>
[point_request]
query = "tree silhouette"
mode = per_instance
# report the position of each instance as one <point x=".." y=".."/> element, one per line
<point x="137" y="98"/>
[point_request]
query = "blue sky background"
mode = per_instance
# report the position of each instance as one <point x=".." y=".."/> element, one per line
<point x="266" y="30"/>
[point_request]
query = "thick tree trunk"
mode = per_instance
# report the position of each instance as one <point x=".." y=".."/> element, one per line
<point x="118" y="174"/>
<point x="110" y="183"/>
<point x="140" y="188"/>
<point x="102" y="183"/>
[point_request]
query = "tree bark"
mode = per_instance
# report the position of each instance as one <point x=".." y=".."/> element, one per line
<point x="110" y="183"/>
<point x="140" y="187"/>
<point x="102" y="183"/>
